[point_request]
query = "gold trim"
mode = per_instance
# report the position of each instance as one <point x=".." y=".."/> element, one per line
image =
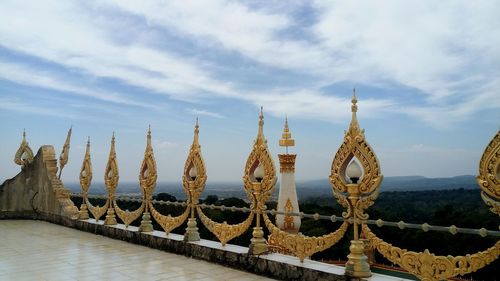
<point x="97" y="211"/>
<point x="287" y="163"/>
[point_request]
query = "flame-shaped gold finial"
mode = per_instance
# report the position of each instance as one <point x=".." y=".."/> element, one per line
<point x="286" y="137"/>
<point x="196" y="132"/>
<point x="24" y="154"/>
<point x="64" y="157"/>
<point x="260" y="134"/>
<point x="354" y="126"/>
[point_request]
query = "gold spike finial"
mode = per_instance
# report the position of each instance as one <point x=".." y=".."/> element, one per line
<point x="196" y="132"/>
<point x="354" y="109"/>
<point x="286" y="137"/>
<point x="260" y="134"/>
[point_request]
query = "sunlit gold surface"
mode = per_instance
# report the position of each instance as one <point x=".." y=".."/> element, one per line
<point x="111" y="177"/>
<point x="287" y="163"/>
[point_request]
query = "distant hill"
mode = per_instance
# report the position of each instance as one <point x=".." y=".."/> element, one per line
<point x="305" y="189"/>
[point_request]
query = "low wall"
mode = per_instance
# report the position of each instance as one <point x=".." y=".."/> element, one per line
<point x="273" y="265"/>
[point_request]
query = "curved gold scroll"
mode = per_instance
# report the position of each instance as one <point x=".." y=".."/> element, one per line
<point x="97" y="211"/>
<point x="429" y="267"/>
<point x="128" y="216"/>
<point x="24" y="154"/>
<point x="355" y="145"/>
<point x="168" y="223"/>
<point x="304" y="246"/>
<point x="224" y="231"/>
<point x="489" y="174"/>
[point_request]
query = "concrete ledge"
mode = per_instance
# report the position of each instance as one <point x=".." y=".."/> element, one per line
<point x="274" y="265"/>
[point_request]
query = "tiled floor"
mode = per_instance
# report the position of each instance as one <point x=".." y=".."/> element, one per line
<point x="35" y="250"/>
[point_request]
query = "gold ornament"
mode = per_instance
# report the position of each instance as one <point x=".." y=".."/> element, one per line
<point x="168" y="223"/>
<point x="63" y="158"/>
<point x="304" y="246"/>
<point x="85" y="180"/>
<point x="429" y="267"/>
<point x="128" y="216"/>
<point x="24" y="154"/>
<point x="489" y="174"/>
<point x="224" y="231"/>
<point x="111" y="177"/>
<point x="355" y="145"/>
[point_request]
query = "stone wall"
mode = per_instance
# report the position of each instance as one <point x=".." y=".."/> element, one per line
<point x="37" y="189"/>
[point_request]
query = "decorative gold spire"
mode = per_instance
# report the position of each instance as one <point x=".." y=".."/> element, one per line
<point x="196" y="132"/>
<point x="286" y="137"/>
<point x="63" y="158"/>
<point x="354" y="126"/>
<point x="24" y="154"/>
<point x="111" y="176"/>
<point x="148" y="174"/>
<point x="260" y="135"/>
<point x="86" y="170"/>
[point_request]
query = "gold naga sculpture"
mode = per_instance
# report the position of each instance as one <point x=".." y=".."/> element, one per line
<point x="355" y="180"/>
<point x="429" y="267"/>
<point x="64" y="157"/>
<point x="24" y="155"/>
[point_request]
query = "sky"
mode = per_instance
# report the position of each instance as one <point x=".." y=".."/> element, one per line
<point x="426" y="73"/>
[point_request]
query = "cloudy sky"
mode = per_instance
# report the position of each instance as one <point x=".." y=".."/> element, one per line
<point x="427" y="74"/>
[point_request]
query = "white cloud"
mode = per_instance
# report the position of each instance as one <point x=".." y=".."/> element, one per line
<point x="447" y="51"/>
<point x="163" y="144"/>
<point x="198" y="112"/>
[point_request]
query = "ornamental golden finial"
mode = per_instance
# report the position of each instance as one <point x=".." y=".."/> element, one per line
<point x="286" y="137"/>
<point x="24" y="154"/>
<point x="354" y="126"/>
<point x="489" y="174"/>
<point x="111" y="181"/>
<point x="63" y="158"/>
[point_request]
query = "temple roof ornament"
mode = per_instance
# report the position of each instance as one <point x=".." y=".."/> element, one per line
<point x="24" y="154"/>
<point x="286" y="137"/>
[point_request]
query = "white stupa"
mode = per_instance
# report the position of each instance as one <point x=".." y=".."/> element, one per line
<point x="287" y="198"/>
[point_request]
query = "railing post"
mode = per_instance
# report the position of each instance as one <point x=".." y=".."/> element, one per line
<point x="357" y="264"/>
<point x="192" y="233"/>
<point x="147" y="179"/>
<point x="258" y="244"/>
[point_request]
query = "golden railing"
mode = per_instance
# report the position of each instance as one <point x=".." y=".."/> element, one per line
<point x="355" y="178"/>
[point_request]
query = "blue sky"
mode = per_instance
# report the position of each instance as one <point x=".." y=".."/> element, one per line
<point x="427" y="75"/>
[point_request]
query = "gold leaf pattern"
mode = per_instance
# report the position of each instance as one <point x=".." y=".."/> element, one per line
<point x="224" y="231"/>
<point x="128" y="216"/>
<point x="304" y="246"/>
<point x="168" y="223"/>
